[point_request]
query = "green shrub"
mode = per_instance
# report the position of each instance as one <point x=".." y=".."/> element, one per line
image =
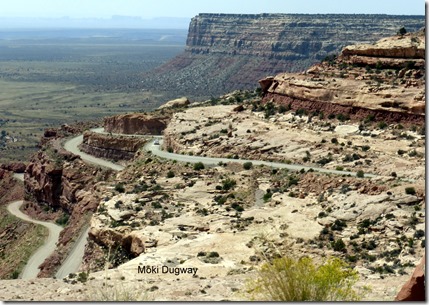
<point x="120" y="188"/>
<point x="62" y="221"/>
<point x="370" y="118"/>
<point x="213" y="254"/>
<point x="360" y="174"/>
<point x="82" y="277"/>
<point x="198" y="166"/>
<point x="401" y="152"/>
<point x="343" y="117"/>
<point x="247" y="165"/>
<point x="237" y="207"/>
<point x="402" y="31"/>
<point x="156" y="205"/>
<point x="267" y="196"/>
<point x="410" y="190"/>
<point x="228" y="184"/>
<point x="293" y="181"/>
<point x="282" y="109"/>
<point x="338" y="225"/>
<point x="170" y="174"/>
<point x="220" y="199"/>
<point x="382" y="125"/>
<point x="300" y="112"/>
<point x="15" y="274"/>
<point x="289" y="280"/>
<point x="339" y="245"/>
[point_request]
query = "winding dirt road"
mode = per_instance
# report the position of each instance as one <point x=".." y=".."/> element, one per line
<point x="32" y="268"/>
<point x="156" y="150"/>
<point x="72" y="146"/>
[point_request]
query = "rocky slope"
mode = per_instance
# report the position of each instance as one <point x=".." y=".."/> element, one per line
<point x="384" y="80"/>
<point x="228" y="52"/>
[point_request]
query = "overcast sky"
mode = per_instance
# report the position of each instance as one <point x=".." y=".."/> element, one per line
<point x="189" y="8"/>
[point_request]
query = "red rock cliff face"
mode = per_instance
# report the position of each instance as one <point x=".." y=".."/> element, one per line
<point x="135" y="124"/>
<point x="55" y="177"/>
<point x="384" y="80"/>
<point x="111" y="147"/>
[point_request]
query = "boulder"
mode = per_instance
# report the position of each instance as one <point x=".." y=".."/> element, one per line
<point x="414" y="289"/>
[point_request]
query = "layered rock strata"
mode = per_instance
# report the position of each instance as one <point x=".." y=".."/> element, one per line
<point x="227" y="52"/>
<point x="384" y="81"/>
<point x="111" y="147"/>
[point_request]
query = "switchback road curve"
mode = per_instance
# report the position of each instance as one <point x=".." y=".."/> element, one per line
<point x="31" y="269"/>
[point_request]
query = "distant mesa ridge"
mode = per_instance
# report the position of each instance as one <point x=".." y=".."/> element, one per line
<point x="290" y="36"/>
<point x="225" y="52"/>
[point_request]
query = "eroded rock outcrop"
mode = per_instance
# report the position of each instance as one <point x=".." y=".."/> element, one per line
<point x="384" y="80"/>
<point x="180" y="102"/>
<point x="111" y="147"/>
<point x="54" y="176"/>
<point x="136" y="123"/>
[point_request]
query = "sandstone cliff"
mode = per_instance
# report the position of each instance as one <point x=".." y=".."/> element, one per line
<point x="136" y="123"/>
<point x="228" y="52"/>
<point x="384" y="80"/>
<point x="111" y="147"/>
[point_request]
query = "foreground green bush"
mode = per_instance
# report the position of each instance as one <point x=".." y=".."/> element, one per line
<point x="287" y="279"/>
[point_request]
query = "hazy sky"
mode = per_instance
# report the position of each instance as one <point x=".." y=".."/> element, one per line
<point x="190" y="8"/>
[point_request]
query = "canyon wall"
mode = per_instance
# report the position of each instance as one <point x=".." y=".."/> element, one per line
<point x="227" y="52"/>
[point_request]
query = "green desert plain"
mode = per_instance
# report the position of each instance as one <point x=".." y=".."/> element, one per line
<point x="55" y="77"/>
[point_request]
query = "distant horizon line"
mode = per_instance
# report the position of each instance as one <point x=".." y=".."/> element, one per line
<point x="190" y="17"/>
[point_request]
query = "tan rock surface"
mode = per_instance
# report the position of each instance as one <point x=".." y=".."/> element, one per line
<point x="180" y="102"/>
